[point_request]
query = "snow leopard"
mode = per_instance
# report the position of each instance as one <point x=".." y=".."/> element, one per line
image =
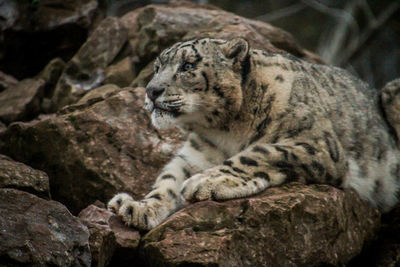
<point x="258" y="119"/>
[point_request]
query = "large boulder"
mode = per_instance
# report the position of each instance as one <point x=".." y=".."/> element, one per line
<point x="86" y="70"/>
<point x="291" y="225"/>
<point x="37" y="232"/>
<point x="34" y="32"/>
<point x="155" y="27"/>
<point x="100" y="146"/>
<point x="17" y="175"/>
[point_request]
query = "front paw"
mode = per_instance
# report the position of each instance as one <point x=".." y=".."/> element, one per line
<point x="116" y="202"/>
<point x="198" y="188"/>
<point x="143" y="215"/>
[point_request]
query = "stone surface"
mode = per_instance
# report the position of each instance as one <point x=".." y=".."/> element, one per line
<point x="292" y="225"/>
<point x="6" y="81"/>
<point x="34" y="32"/>
<point x="50" y="74"/>
<point x="3" y="127"/>
<point x="155" y="27"/>
<point x="385" y="250"/>
<point x="109" y="237"/>
<point x="17" y="175"/>
<point x="144" y="76"/>
<point x="102" y="239"/>
<point x="94" y="149"/>
<point x="121" y="73"/>
<point x="37" y="232"/>
<point x="22" y="101"/>
<point x="85" y="70"/>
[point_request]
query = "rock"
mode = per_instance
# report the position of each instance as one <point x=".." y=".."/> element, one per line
<point x="22" y="101"/>
<point x="6" y="81"/>
<point x="121" y="73"/>
<point x="38" y="232"/>
<point x="85" y="70"/>
<point x="102" y="240"/>
<point x="385" y="250"/>
<point x="292" y="225"/>
<point x="3" y="127"/>
<point x="144" y="76"/>
<point x="155" y="27"/>
<point x="94" y="149"/>
<point x="109" y="237"/>
<point x="17" y="175"/>
<point x="50" y="74"/>
<point x="34" y="32"/>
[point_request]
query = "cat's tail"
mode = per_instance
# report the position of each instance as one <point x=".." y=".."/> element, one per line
<point x="390" y="99"/>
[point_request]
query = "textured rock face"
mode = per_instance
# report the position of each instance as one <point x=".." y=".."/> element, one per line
<point x="22" y="101"/>
<point x="293" y="225"/>
<point x="120" y="73"/>
<point x="385" y="250"/>
<point x="40" y="233"/>
<point x="153" y="28"/>
<point x="18" y="175"/>
<point x="110" y="237"/>
<point x="95" y="148"/>
<point x="86" y="69"/>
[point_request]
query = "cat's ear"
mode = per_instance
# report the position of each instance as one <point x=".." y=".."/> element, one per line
<point x="237" y="49"/>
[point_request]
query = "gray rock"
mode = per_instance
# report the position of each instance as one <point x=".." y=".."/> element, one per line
<point x="37" y="232"/>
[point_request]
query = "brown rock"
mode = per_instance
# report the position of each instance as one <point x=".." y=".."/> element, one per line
<point x="385" y="250"/>
<point x="50" y="74"/>
<point x="17" y="175"/>
<point x="22" y="101"/>
<point x="6" y="81"/>
<point x="155" y="27"/>
<point x="144" y="76"/>
<point x="92" y="151"/>
<point x="292" y="225"/>
<point x="121" y="73"/>
<point x="52" y="71"/>
<point x="85" y="70"/>
<point x="109" y="237"/>
<point x="34" y="32"/>
<point x="40" y="233"/>
<point x="3" y="127"/>
<point x="102" y="240"/>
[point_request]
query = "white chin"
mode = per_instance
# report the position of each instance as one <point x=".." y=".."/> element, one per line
<point x="162" y="120"/>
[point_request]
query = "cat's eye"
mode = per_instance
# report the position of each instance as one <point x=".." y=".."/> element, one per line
<point x="156" y="68"/>
<point x="187" y="66"/>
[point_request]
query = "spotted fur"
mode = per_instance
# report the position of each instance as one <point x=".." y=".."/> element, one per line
<point x="256" y="120"/>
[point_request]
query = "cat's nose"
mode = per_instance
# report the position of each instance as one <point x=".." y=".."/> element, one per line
<point x="154" y="92"/>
